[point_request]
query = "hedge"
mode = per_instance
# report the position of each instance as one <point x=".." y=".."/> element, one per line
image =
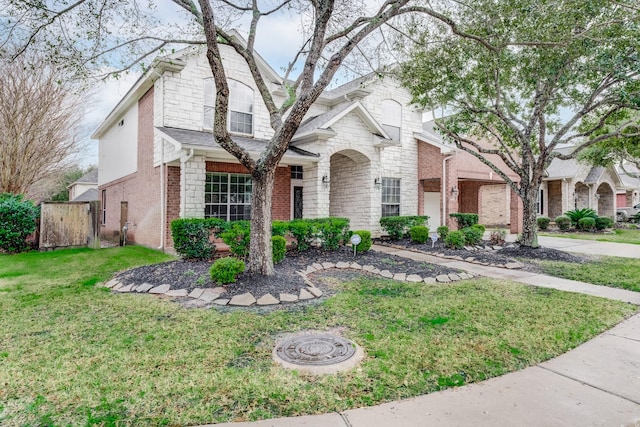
<point x="465" y="219"/>
<point x="398" y="226"/>
<point x="17" y="221"/>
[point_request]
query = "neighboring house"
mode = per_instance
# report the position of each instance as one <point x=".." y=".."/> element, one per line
<point x="468" y="185"/>
<point x="355" y="154"/>
<point x="570" y="184"/>
<point x="628" y="194"/>
<point x="85" y="189"/>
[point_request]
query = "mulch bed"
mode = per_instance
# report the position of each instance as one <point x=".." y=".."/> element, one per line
<point x="195" y="274"/>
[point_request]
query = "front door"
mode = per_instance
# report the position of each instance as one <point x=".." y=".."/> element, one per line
<point x="297" y="202"/>
<point x="432" y="209"/>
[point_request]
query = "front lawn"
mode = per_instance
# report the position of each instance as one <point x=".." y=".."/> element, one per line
<point x="616" y="236"/>
<point x="72" y="353"/>
<point x="607" y="271"/>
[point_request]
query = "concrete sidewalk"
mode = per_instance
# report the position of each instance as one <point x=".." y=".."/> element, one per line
<point x="590" y="247"/>
<point x="596" y="384"/>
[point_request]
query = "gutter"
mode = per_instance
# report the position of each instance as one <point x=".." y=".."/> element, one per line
<point x="444" y="188"/>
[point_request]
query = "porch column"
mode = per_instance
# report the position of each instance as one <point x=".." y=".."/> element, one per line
<point x="192" y="179"/>
<point x="316" y="193"/>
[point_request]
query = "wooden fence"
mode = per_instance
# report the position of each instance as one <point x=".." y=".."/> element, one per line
<point x="69" y="224"/>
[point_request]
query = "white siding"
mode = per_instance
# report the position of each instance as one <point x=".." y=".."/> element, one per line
<point x="118" y="148"/>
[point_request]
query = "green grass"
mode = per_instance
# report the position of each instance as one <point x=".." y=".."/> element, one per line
<point x="75" y="354"/>
<point x="617" y="236"/>
<point x="614" y="272"/>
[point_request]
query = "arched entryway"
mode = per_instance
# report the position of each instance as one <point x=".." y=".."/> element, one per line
<point x="352" y="187"/>
<point x="605" y="201"/>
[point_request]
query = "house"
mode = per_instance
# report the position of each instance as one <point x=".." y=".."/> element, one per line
<point x="452" y="180"/>
<point x="85" y="189"/>
<point x="355" y="154"/>
<point x="628" y="194"/>
<point x="571" y="184"/>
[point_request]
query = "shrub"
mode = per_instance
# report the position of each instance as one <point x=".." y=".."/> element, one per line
<point x="365" y="240"/>
<point x="279" y="228"/>
<point x="17" y="221"/>
<point x="543" y="222"/>
<point x="303" y="231"/>
<point x="603" y="222"/>
<point x="226" y="269"/>
<point x="237" y="236"/>
<point x="587" y="223"/>
<point x="577" y="214"/>
<point x="419" y="234"/>
<point x="480" y="227"/>
<point x="332" y="232"/>
<point x="279" y="245"/>
<point x="563" y="222"/>
<point x="191" y="238"/>
<point x="498" y="237"/>
<point x="398" y="226"/>
<point x="472" y="235"/>
<point x="455" y="239"/>
<point x="465" y="219"/>
<point x="443" y="232"/>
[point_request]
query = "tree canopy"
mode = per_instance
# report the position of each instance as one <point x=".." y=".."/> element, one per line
<point x="528" y="77"/>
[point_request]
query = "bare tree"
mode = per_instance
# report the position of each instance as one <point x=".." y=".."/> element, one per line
<point x="39" y="122"/>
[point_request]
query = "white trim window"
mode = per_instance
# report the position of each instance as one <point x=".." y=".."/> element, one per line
<point x="228" y="196"/>
<point x="392" y="118"/>
<point x="240" y="108"/>
<point x="209" y="103"/>
<point x="390" y="197"/>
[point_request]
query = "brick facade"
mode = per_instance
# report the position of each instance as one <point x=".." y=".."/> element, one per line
<point x="140" y="190"/>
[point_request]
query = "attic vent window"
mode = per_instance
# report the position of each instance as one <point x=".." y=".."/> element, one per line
<point x="121" y="123"/>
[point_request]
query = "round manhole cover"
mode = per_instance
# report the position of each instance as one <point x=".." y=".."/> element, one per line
<point x="316" y="350"/>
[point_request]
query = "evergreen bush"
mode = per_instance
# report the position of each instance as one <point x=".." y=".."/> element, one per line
<point x="464" y="220"/>
<point x="419" y="234"/>
<point x="472" y="235"/>
<point x="455" y="239"/>
<point x="587" y="223"/>
<point x="443" y="232"/>
<point x="17" y="221"/>
<point x="226" y="269"/>
<point x="365" y="241"/>
<point x="543" y="222"/>
<point x="237" y="236"/>
<point x="398" y="226"/>
<point x="603" y="222"/>
<point x="563" y="222"/>
<point x="191" y="238"/>
<point x="279" y="246"/>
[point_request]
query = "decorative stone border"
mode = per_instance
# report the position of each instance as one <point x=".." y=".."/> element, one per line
<point x="215" y="295"/>
<point x="508" y="265"/>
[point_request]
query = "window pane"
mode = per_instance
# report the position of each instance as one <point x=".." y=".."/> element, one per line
<point x="392" y="118"/>
<point x="240" y="107"/>
<point x="390" y="196"/>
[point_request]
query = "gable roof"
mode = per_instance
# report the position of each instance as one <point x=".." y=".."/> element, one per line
<point x="205" y="141"/>
<point x="563" y="168"/>
<point x="323" y="122"/>
<point x="88" y="196"/>
<point x="432" y="136"/>
<point x="90" y="177"/>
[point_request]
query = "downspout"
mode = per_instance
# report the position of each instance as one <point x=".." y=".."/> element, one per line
<point x="444" y="189"/>
<point x="183" y="202"/>
<point x="163" y="204"/>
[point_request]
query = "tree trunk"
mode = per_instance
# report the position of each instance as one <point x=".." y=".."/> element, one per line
<point x="260" y="250"/>
<point x="529" y="235"/>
